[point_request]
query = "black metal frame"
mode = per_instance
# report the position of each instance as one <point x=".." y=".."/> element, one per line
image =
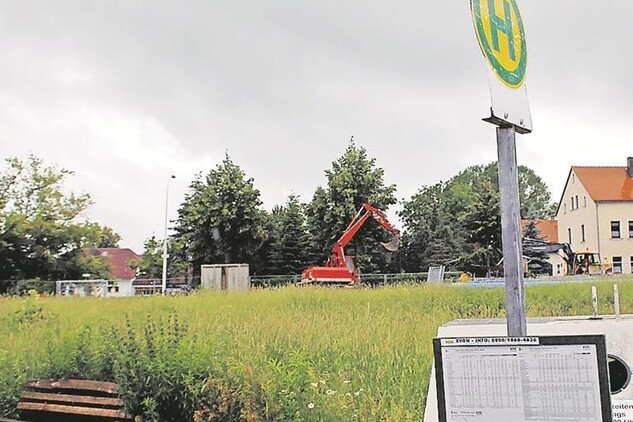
<point x="598" y="341"/>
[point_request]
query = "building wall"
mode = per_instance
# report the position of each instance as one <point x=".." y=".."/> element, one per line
<point x="120" y="288"/>
<point x="574" y="217"/>
<point x="559" y="266"/>
<point x="616" y="247"/>
<point x="574" y="214"/>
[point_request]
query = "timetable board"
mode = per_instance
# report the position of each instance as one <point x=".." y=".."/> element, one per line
<point x="531" y="379"/>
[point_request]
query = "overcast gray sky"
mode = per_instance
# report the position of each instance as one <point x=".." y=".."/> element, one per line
<point x="127" y="92"/>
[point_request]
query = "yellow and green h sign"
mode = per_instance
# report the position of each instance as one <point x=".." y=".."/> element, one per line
<point x="501" y="36"/>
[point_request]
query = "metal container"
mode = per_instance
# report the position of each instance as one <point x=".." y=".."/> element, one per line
<point x="225" y="277"/>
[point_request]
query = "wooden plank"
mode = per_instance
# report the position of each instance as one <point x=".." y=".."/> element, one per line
<point x="9" y="420"/>
<point x="74" y="410"/>
<point x="71" y="384"/>
<point x="70" y="399"/>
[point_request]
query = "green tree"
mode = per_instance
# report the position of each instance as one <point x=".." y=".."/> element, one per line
<point x="97" y="236"/>
<point x="319" y="238"/>
<point x="443" y="247"/>
<point x="151" y="264"/>
<point x="353" y="180"/>
<point x="420" y="215"/>
<point x="531" y="230"/>
<point x="534" y="195"/>
<point x="434" y="220"/>
<point x="537" y="259"/>
<point x="290" y="246"/>
<point x="269" y="256"/>
<point x="458" y="223"/>
<point x="483" y="226"/>
<point x="41" y="232"/>
<point x="220" y="220"/>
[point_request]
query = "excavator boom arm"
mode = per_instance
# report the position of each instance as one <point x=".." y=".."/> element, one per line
<point x="338" y="250"/>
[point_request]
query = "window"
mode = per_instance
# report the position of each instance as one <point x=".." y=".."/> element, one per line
<point x="584" y="199"/>
<point x="573" y="179"/>
<point x="572" y="203"/>
<point x="569" y="235"/>
<point x="615" y="230"/>
<point x="582" y="232"/>
<point x="576" y="201"/>
<point x="631" y="265"/>
<point x="565" y="208"/>
<point x="630" y="229"/>
<point x="617" y="265"/>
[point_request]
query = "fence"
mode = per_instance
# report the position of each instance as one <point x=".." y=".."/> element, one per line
<point x="138" y="286"/>
<point x="373" y="280"/>
<point x="154" y="286"/>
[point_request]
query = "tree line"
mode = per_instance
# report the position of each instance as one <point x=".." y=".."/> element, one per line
<point x="42" y="234"/>
<point x="221" y="220"/>
<point x="455" y="223"/>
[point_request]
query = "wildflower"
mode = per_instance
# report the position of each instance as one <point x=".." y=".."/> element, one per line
<point x="330" y="392"/>
<point x="322" y="381"/>
<point x="310" y="405"/>
<point x="347" y="382"/>
<point x="314" y="384"/>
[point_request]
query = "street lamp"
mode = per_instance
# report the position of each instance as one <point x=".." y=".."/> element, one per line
<point x="164" y="286"/>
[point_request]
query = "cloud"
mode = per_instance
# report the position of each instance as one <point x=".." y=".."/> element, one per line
<point x="128" y="92"/>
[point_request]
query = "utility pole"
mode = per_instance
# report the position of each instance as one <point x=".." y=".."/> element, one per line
<point x="164" y="285"/>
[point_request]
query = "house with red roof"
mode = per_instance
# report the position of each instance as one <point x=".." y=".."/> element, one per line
<point x="595" y="213"/>
<point x="548" y="229"/>
<point x="119" y="260"/>
<point x="549" y="233"/>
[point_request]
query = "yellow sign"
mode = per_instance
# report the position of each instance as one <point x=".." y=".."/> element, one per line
<point x="501" y="36"/>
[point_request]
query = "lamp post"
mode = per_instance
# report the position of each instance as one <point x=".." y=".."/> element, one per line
<point x="164" y="285"/>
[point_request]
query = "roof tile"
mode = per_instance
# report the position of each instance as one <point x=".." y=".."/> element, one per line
<point x="548" y="228"/>
<point x="118" y="258"/>
<point x="606" y="183"/>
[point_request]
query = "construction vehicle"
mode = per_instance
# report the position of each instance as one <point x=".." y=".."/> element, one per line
<point x="340" y="268"/>
<point x="587" y="262"/>
<point x="584" y="262"/>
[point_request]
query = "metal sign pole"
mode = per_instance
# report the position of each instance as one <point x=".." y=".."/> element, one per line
<point x="511" y="231"/>
<point x="510" y="111"/>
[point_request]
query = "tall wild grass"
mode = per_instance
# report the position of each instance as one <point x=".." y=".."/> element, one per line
<point x="290" y="354"/>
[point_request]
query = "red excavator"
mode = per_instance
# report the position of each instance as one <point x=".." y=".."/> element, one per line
<point x="339" y="268"/>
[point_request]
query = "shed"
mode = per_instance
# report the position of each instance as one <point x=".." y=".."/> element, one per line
<point x="227" y="277"/>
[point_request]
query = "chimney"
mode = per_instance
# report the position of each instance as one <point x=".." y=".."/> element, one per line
<point x="629" y="166"/>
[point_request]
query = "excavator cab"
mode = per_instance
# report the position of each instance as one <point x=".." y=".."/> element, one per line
<point x="349" y="263"/>
<point x="588" y="263"/>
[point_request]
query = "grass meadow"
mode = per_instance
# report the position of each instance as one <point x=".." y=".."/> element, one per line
<point x="289" y="354"/>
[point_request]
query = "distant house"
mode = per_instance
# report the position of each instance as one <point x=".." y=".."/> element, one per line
<point x="549" y="233"/>
<point x="548" y="229"/>
<point x="595" y="213"/>
<point x="118" y="259"/>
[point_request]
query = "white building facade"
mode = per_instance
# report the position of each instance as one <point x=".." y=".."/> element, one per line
<point x="595" y="213"/>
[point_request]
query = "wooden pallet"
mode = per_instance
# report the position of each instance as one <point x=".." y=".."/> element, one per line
<point x="97" y="400"/>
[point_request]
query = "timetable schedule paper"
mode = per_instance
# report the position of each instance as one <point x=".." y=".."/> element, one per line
<point x="521" y="381"/>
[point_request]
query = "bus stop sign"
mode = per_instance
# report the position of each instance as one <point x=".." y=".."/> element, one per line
<point x="501" y="35"/>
